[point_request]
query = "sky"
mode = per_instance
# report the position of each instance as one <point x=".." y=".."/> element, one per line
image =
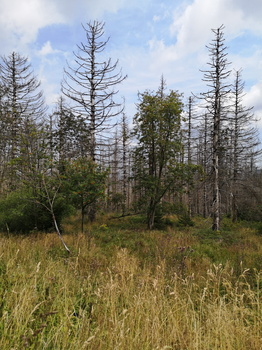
<point x="150" y="38"/>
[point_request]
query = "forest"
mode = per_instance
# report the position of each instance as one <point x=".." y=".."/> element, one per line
<point x="187" y="156"/>
<point x="128" y="232"/>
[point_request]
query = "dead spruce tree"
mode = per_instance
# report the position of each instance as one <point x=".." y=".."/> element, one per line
<point x="22" y="107"/>
<point x="216" y="103"/>
<point x="91" y="84"/>
<point x="244" y="141"/>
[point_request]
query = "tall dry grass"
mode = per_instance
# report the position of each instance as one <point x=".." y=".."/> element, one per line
<point x="87" y="301"/>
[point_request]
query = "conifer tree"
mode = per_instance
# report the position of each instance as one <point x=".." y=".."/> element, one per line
<point x="243" y="140"/>
<point x="90" y="84"/>
<point x="22" y="108"/>
<point x="216" y="99"/>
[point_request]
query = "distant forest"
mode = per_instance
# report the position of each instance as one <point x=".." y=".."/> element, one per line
<point x="182" y="156"/>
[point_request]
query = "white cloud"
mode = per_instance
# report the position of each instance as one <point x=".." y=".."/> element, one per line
<point x="156" y="18"/>
<point x="254" y="98"/>
<point x="163" y="54"/>
<point x="47" y="50"/>
<point x="250" y="13"/>
<point x="193" y="26"/>
<point x="251" y="65"/>
<point x="20" y="21"/>
<point x="145" y="62"/>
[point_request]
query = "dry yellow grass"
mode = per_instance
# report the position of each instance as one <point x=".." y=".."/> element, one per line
<point x="86" y="301"/>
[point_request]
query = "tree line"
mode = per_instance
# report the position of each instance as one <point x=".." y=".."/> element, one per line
<point x="197" y="156"/>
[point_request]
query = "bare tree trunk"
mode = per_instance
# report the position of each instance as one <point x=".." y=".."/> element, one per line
<point x="216" y="139"/>
<point x="50" y="208"/>
<point x="216" y="104"/>
<point x="59" y="233"/>
<point x="151" y="216"/>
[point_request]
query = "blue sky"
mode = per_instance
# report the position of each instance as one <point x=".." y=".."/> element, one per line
<point x="149" y="37"/>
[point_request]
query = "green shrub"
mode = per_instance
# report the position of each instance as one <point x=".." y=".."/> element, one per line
<point x="250" y="212"/>
<point x="185" y="220"/>
<point x="20" y="213"/>
<point x="259" y="228"/>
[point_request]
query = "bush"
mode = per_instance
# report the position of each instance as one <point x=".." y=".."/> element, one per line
<point x="185" y="220"/>
<point x="173" y="208"/>
<point x="19" y="213"/>
<point x="250" y="212"/>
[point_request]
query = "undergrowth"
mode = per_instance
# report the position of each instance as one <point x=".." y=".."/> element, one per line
<point x="123" y="287"/>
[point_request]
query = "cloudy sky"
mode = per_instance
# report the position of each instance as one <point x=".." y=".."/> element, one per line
<point x="149" y="37"/>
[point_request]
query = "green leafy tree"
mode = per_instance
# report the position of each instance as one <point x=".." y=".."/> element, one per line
<point x="35" y="206"/>
<point x="157" y="168"/>
<point x="84" y="183"/>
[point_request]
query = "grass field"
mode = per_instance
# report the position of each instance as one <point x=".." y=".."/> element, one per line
<point x="126" y="288"/>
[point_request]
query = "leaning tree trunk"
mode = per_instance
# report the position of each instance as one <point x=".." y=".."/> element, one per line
<point x="151" y="216"/>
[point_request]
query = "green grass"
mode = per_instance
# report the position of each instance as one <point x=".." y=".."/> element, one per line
<point x="123" y="287"/>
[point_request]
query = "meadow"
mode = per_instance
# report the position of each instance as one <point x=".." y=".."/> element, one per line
<point x="123" y="287"/>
